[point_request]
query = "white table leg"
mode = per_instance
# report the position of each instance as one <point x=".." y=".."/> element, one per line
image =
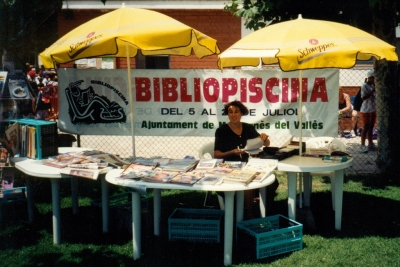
<point x="157" y="211"/>
<point x="104" y="202"/>
<point x="292" y="195"/>
<point x="262" y="192"/>
<point x="29" y="196"/>
<point x="74" y="195"/>
<point x="55" y="191"/>
<point x="229" y="197"/>
<point x="333" y="183"/>
<point x="136" y="225"/>
<point x="239" y="205"/>
<point x="338" y="198"/>
<point x="307" y="180"/>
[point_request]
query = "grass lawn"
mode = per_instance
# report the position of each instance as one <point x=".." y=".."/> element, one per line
<point x="370" y="234"/>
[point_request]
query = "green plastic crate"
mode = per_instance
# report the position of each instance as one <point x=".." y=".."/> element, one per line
<point x="272" y="235"/>
<point x="195" y="225"/>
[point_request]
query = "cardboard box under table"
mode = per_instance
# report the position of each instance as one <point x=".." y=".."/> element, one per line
<point x="195" y="225"/>
<point x="271" y="235"/>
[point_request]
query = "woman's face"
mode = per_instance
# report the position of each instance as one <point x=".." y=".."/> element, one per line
<point x="234" y="114"/>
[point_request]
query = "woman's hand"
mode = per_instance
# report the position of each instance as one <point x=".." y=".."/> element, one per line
<point x="264" y="136"/>
<point x="237" y="151"/>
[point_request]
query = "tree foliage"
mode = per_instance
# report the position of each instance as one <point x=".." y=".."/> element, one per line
<point x="27" y="27"/>
<point x="259" y="13"/>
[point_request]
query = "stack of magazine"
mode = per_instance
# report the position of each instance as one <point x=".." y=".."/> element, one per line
<point x="180" y="165"/>
<point x="77" y="164"/>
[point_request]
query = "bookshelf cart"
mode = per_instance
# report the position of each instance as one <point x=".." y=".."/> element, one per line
<point x="45" y="137"/>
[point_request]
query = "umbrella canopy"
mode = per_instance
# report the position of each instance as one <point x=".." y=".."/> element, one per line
<point x="306" y="44"/>
<point x="149" y="31"/>
<point x="124" y="31"/>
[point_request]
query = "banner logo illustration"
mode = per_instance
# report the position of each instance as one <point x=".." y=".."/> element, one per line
<point x="86" y="107"/>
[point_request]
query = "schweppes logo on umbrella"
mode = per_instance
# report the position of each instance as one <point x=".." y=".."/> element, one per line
<point x="315" y="50"/>
<point x="77" y="48"/>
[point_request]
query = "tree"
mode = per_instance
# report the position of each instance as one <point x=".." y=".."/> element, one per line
<point x="380" y="17"/>
<point x="27" y="27"/>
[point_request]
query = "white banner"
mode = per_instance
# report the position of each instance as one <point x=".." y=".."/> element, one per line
<point x="190" y="102"/>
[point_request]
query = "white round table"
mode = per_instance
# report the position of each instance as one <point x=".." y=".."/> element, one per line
<point x="228" y="189"/>
<point x="305" y="165"/>
<point x="36" y="168"/>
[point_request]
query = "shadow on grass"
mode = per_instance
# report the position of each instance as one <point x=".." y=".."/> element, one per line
<point x="362" y="215"/>
<point x="374" y="181"/>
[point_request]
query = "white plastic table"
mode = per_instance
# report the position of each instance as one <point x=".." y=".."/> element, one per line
<point x="306" y="165"/>
<point x="36" y="168"/>
<point x="228" y="189"/>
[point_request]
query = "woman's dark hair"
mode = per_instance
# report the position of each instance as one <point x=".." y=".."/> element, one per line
<point x="243" y="109"/>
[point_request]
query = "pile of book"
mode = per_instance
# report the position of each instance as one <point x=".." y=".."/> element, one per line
<point x="203" y="171"/>
<point x="86" y="164"/>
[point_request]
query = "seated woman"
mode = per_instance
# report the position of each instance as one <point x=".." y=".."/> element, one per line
<point x="346" y="111"/>
<point x="230" y="138"/>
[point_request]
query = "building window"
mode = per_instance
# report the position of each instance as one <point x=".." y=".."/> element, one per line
<point x="151" y="62"/>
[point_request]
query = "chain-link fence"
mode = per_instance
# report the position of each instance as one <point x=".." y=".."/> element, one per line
<point x="179" y="147"/>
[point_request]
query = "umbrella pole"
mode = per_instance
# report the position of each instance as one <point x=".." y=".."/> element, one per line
<point x="128" y="61"/>
<point x="301" y="114"/>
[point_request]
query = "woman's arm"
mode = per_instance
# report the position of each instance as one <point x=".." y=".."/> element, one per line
<point x="265" y="138"/>
<point x="348" y="104"/>
<point x="221" y="155"/>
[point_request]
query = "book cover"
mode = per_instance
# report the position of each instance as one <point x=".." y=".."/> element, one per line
<point x="3" y="157"/>
<point x="162" y="161"/>
<point x="159" y="176"/>
<point x="137" y="170"/>
<point x="62" y="160"/>
<point x="187" y="177"/>
<point x="257" y="164"/>
<point x="219" y="171"/>
<point x="180" y="165"/>
<point x="88" y="165"/>
<point x="206" y="164"/>
<point x="18" y="86"/>
<point x="240" y="176"/>
<point x="261" y="176"/>
<point x="12" y="135"/>
<point x="111" y="159"/>
<point x="210" y="180"/>
<point x="7" y="178"/>
<point x="3" y="79"/>
<point x="83" y="173"/>
<point x="31" y="142"/>
<point x="232" y="164"/>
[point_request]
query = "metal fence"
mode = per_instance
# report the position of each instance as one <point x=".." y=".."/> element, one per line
<point x="179" y="147"/>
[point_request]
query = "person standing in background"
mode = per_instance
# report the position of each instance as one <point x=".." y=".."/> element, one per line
<point x="346" y="111"/>
<point x="368" y="111"/>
